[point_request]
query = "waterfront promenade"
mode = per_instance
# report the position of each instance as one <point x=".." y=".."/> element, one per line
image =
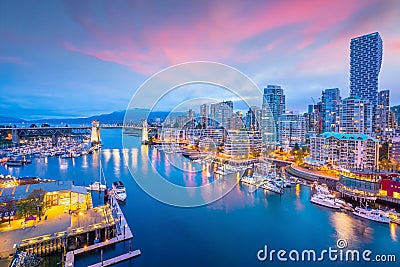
<point x="57" y="221"/>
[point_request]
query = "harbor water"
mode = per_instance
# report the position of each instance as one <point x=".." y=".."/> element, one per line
<point x="228" y="232"/>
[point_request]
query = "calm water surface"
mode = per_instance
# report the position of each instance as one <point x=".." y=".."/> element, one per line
<point x="228" y="232"/>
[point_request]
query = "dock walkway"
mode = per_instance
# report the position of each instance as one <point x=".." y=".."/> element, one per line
<point x="117" y="259"/>
<point x="123" y="233"/>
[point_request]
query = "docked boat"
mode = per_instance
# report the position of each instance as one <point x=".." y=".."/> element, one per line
<point x="322" y="189"/>
<point x="326" y="200"/>
<point x="271" y="186"/>
<point x="248" y="180"/>
<point x="119" y="191"/>
<point x="372" y="214"/>
<point x="97" y="186"/>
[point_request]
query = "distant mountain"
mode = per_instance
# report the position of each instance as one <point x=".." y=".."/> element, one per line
<point x="5" y="119"/>
<point x="135" y="115"/>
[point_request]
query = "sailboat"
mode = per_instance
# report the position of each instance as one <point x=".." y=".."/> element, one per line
<point x="97" y="185"/>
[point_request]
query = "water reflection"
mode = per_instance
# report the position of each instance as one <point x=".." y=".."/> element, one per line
<point x="63" y="163"/>
<point x="393" y="232"/>
<point x="117" y="162"/>
<point x="298" y="203"/>
<point x="144" y="158"/>
<point x="134" y="159"/>
<point x="85" y="164"/>
<point x="107" y="155"/>
<point x="349" y="228"/>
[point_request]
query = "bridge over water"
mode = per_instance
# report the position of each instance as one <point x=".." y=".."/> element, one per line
<point x="23" y="133"/>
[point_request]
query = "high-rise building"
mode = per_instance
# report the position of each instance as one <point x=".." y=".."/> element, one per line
<point x="236" y="121"/>
<point x="274" y="97"/>
<point x="329" y="108"/>
<point x="309" y="119"/>
<point x="190" y="123"/>
<point x="355" y="116"/>
<point x="318" y="118"/>
<point x="396" y="114"/>
<point x="253" y="118"/>
<point x="365" y="65"/>
<point x="291" y="129"/>
<point x="382" y="113"/>
<point x="204" y="113"/>
<point x="394" y="149"/>
<point x="268" y="128"/>
<point x="221" y="113"/>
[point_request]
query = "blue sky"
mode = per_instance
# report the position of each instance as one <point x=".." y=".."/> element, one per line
<point x="80" y="58"/>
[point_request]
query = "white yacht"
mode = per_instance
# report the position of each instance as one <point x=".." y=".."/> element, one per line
<point x="271" y="186"/>
<point x="371" y="214"/>
<point x="119" y="191"/>
<point x="248" y="180"/>
<point x="97" y="186"/>
<point x="326" y="201"/>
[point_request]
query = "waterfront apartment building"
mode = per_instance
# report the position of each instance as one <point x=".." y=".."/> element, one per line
<point x="365" y="65"/>
<point x="355" y="116"/>
<point x="221" y="113"/>
<point x="242" y="144"/>
<point x="291" y="129"/>
<point x="329" y="109"/>
<point x="347" y="151"/>
<point x="210" y="139"/>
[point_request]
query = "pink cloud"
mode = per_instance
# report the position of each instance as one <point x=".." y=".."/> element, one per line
<point x="216" y="34"/>
<point x="14" y="60"/>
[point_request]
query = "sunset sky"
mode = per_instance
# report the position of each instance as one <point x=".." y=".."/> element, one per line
<point x="80" y="58"/>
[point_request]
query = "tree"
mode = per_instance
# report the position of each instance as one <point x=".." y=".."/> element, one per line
<point x="384" y="151"/>
<point x="36" y="197"/>
<point x="296" y="147"/>
<point x="9" y="206"/>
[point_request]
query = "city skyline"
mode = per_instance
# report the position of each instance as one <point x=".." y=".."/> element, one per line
<point x="80" y="59"/>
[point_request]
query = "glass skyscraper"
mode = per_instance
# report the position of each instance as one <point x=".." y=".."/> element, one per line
<point x="330" y="105"/>
<point x="365" y="65"/>
<point x="274" y="99"/>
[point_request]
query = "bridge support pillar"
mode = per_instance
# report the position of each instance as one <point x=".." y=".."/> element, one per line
<point x="54" y="139"/>
<point x="145" y="133"/>
<point x="95" y="136"/>
<point x="15" y="137"/>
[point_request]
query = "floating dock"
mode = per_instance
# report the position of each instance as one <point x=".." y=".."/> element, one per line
<point x="117" y="259"/>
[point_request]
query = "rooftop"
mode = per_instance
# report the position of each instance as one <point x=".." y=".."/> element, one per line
<point x="23" y="191"/>
<point x="345" y="136"/>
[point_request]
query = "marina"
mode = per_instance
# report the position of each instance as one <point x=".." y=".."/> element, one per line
<point x="157" y="224"/>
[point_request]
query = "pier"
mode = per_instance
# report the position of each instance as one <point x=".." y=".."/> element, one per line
<point x="123" y="233"/>
<point x="118" y="259"/>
